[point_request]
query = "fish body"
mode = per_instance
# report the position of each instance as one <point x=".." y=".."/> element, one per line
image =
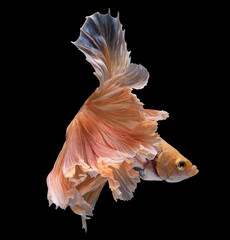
<point x="168" y="165"/>
<point x="112" y="138"/>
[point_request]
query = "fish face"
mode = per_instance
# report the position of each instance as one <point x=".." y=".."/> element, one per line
<point x="172" y="166"/>
<point x="180" y="169"/>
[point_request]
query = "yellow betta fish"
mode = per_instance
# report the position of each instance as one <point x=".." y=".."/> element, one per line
<point x="112" y="138"/>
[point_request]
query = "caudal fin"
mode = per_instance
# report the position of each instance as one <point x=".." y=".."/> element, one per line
<point x="112" y="133"/>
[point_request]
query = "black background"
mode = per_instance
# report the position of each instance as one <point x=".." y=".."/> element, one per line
<point x="172" y="42"/>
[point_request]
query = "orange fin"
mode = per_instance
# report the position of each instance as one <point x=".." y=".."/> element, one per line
<point x="156" y="115"/>
<point x="135" y="76"/>
<point x="112" y="133"/>
<point x="90" y="192"/>
<point x="124" y="181"/>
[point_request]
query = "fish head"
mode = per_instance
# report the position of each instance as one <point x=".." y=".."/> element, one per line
<point x="172" y="166"/>
<point x="181" y="169"/>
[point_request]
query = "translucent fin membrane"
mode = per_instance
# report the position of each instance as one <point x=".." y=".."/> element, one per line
<point x="112" y="133"/>
<point x="124" y="181"/>
<point x="103" y="43"/>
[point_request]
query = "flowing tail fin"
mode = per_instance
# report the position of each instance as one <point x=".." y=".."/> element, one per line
<point x="102" y="41"/>
<point x="112" y="133"/>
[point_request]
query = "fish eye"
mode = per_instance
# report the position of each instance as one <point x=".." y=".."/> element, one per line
<point x="181" y="165"/>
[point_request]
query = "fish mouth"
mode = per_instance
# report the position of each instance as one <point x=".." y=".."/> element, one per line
<point x="193" y="170"/>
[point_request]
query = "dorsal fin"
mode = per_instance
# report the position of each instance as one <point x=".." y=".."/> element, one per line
<point x="102" y="41"/>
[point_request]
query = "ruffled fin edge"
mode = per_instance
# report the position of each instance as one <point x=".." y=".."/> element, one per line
<point x="102" y="41"/>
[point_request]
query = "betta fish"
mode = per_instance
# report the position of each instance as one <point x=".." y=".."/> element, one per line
<point x="112" y="138"/>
